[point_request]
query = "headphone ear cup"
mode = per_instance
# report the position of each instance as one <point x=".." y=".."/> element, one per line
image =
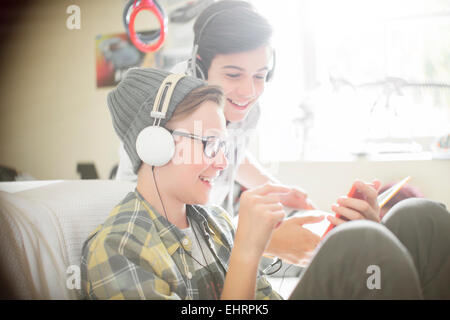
<point x="155" y="146"/>
<point x="269" y="75"/>
<point x="200" y="70"/>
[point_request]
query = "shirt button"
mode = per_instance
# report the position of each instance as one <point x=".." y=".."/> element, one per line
<point x="185" y="241"/>
<point x="189" y="275"/>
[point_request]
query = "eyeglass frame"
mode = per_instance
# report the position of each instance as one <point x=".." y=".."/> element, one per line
<point x="222" y="143"/>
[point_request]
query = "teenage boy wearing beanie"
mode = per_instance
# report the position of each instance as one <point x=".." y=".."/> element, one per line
<point x="162" y="241"/>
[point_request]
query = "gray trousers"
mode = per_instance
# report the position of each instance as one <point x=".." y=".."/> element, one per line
<point x="406" y="256"/>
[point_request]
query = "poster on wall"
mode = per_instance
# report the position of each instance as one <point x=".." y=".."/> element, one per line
<point x="114" y="55"/>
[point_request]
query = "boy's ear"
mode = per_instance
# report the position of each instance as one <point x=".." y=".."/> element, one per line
<point x="180" y="154"/>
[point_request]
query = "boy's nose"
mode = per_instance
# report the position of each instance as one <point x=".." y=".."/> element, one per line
<point x="220" y="160"/>
<point x="247" y="88"/>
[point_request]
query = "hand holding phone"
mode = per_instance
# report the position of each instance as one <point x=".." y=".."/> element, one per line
<point x="353" y="193"/>
<point x="382" y="199"/>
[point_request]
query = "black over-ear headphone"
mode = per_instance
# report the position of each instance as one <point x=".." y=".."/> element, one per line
<point x="154" y="144"/>
<point x="197" y="69"/>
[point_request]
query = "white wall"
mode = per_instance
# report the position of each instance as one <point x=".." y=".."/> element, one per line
<point x="53" y="116"/>
<point x="326" y="181"/>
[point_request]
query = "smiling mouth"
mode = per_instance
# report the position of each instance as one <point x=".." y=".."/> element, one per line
<point x="238" y="105"/>
<point x="208" y="180"/>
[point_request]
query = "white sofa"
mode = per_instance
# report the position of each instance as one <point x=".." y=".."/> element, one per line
<point x="43" y="225"/>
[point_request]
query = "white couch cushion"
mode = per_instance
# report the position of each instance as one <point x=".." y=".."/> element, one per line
<point x="42" y="231"/>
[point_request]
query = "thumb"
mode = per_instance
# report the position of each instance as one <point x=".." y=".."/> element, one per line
<point x="376" y="184"/>
<point x="310" y="205"/>
<point x="308" y="219"/>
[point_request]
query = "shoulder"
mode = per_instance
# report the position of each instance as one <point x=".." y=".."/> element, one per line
<point x="219" y="220"/>
<point x="129" y="219"/>
<point x="131" y="210"/>
<point x="219" y="214"/>
<point x="180" y="67"/>
<point x="253" y="116"/>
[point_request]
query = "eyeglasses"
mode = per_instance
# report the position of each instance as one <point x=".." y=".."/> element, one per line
<point x="211" y="144"/>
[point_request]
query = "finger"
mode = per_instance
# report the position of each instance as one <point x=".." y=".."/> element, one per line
<point x="310" y="254"/>
<point x="368" y="190"/>
<point x="274" y="207"/>
<point x="377" y="184"/>
<point x="270" y="188"/>
<point x="306" y="259"/>
<point x="270" y="198"/>
<point x="297" y="192"/>
<point x="335" y="221"/>
<point x="351" y="214"/>
<point x="369" y="194"/>
<point x="307" y="219"/>
<point x="347" y="213"/>
<point x="310" y="205"/>
<point x="353" y="203"/>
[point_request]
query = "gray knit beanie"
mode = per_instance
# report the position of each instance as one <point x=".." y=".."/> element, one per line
<point x="131" y="102"/>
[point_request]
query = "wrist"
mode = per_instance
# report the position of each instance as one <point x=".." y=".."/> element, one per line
<point x="247" y="258"/>
<point x="272" y="248"/>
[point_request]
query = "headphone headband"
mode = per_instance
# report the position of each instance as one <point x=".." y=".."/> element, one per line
<point x="164" y="96"/>
<point x="154" y="144"/>
<point x="206" y="23"/>
<point x="193" y="67"/>
<point x="197" y="69"/>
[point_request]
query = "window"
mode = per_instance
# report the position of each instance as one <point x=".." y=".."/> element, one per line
<point x="356" y="77"/>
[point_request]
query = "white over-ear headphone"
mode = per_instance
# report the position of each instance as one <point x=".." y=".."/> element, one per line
<point x="154" y="144"/>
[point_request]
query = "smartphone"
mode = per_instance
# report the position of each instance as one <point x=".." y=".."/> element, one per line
<point x="382" y="198"/>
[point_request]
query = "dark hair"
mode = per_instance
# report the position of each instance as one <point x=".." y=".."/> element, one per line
<point x="195" y="98"/>
<point x="227" y="27"/>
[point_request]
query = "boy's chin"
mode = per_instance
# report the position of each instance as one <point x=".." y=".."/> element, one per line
<point x="234" y="116"/>
<point x="201" y="200"/>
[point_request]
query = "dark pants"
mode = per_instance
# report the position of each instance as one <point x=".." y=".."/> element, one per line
<point x="407" y="256"/>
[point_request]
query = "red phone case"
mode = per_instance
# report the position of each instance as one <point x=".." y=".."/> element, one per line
<point x="353" y="193"/>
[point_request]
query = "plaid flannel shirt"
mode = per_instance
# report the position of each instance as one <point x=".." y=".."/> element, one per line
<point x="136" y="254"/>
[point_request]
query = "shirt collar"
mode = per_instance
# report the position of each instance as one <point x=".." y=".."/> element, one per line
<point x="170" y="234"/>
<point x="199" y="215"/>
<point x="167" y="231"/>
